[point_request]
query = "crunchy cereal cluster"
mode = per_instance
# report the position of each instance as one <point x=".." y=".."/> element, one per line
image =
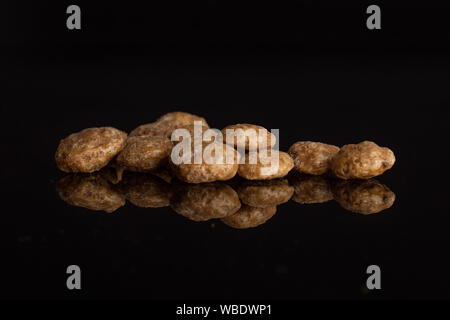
<point x="109" y="167"/>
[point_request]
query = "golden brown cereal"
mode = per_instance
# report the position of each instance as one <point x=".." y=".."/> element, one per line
<point x="145" y="190"/>
<point x="311" y="189"/>
<point x="249" y="217"/>
<point x="246" y="131"/>
<point x="210" y="169"/>
<point x="181" y="119"/>
<point x="362" y="161"/>
<point x="190" y="129"/>
<point x="153" y="129"/>
<point x="264" y="193"/>
<point x="363" y="196"/>
<point x="90" y="149"/>
<point x="256" y="171"/>
<point x="165" y="125"/>
<point x="89" y="191"/>
<point x="145" y="153"/>
<point x="201" y="202"/>
<point x="312" y="157"/>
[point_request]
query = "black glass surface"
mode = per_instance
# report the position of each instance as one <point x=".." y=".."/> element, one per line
<point x="317" y="75"/>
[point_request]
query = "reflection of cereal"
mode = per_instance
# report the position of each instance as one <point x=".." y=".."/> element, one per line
<point x="310" y="189"/>
<point x="89" y="191"/>
<point x="90" y="149"/>
<point x="249" y="217"/>
<point x="162" y="173"/>
<point x="112" y="172"/>
<point x="165" y="125"/>
<point x="362" y="161"/>
<point x="254" y="171"/>
<point x="312" y="157"/>
<point x="363" y="196"/>
<point x="145" y="190"/>
<point x="247" y="129"/>
<point x="145" y="153"/>
<point x="264" y="193"/>
<point x="204" y="171"/>
<point x="201" y="202"/>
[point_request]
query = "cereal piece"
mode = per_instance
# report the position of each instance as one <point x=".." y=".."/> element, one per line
<point x="362" y="161"/>
<point x="89" y="191"/>
<point x="363" y="196"/>
<point x="249" y="217"/>
<point x="310" y="189"/>
<point x="145" y="190"/>
<point x="268" y="170"/>
<point x="153" y="129"/>
<point x="165" y="124"/>
<point x="90" y="149"/>
<point x="210" y="169"/>
<point x="201" y="202"/>
<point x="264" y="193"/>
<point x="145" y="153"/>
<point x="246" y="132"/>
<point x="312" y="157"/>
<point x="200" y="132"/>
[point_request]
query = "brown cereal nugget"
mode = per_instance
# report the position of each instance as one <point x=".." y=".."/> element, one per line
<point x="363" y="196"/>
<point x="310" y="189"/>
<point x="145" y="190"/>
<point x="153" y="129"/>
<point x="205" y="201"/>
<point x="312" y="157"/>
<point x="246" y="132"/>
<point x="264" y="193"/>
<point x="196" y="135"/>
<point x="144" y="153"/>
<point x="362" y="161"/>
<point x="90" y="149"/>
<point x="181" y="119"/>
<point x="249" y="217"/>
<point x="89" y="191"/>
<point x="165" y="124"/>
<point x="264" y="171"/>
<point x="210" y="169"/>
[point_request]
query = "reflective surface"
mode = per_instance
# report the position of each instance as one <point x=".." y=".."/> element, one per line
<point x="303" y="251"/>
<point x="239" y="203"/>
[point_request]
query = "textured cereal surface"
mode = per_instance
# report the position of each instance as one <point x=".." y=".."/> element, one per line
<point x="363" y="196"/>
<point x="245" y="130"/>
<point x="249" y="217"/>
<point x="312" y="157"/>
<point x="89" y="191"/>
<point x="255" y="171"/>
<point x="165" y="125"/>
<point x="145" y="153"/>
<point x="264" y="193"/>
<point x="311" y="189"/>
<point x="90" y="149"/>
<point x="145" y="190"/>
<point x="205" y="201"/>
<point x="210" y="169"/>
<point x="362" y="161"/>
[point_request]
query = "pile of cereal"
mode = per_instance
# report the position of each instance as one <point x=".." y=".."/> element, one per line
<point x="154" y="179"/>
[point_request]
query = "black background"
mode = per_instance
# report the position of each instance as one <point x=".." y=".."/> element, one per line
<point x="310" y="68"/>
